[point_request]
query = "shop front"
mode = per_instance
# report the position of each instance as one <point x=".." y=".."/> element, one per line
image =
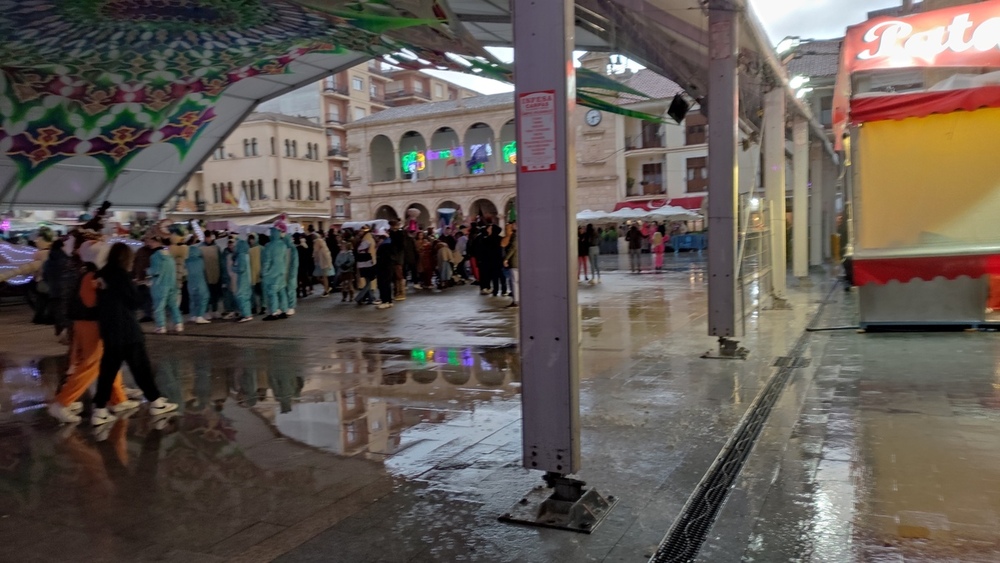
<point x="918" y="115"/>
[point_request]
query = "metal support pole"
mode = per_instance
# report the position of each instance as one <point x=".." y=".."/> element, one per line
<point x="545" y="95"/>
<point x="817" y="200"/>
<point x="831" y="187"/>
<point x="723" y="177"/>
<point x="774" y="190"/>
<point x="800" y="195"/>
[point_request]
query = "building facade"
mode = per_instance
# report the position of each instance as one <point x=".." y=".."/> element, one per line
<point x="275" y="162"/>
<point x="461" y="154"/>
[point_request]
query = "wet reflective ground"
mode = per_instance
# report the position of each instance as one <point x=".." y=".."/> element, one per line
<point x="349" y="434"/>
<point x="885" y="450"/>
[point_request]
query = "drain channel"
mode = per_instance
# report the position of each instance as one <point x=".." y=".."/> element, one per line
<point x="689" y="531"/>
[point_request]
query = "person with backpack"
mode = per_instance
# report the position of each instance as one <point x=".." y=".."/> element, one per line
<point x="87" y="347"/>
<point x="344" y="266"/>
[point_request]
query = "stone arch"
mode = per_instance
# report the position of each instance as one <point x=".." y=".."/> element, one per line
<point x="383" y="159"/>
<point x="508" y="147"/>
<point x="423" y="218"/>
<point x="386" y="212"/>
<point x="480" y="157"/>
<point x="445" y="156"/>
<point x="456" y="218"/>
<point x="485" y="208"/>
<point x="412" y="155"/>
<point x="510" y="209"/>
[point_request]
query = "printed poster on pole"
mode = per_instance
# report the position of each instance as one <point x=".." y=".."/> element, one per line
<point x="537" y="146"/>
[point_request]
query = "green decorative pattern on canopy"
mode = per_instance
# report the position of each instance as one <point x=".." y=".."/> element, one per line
<point x="108" y="78"/>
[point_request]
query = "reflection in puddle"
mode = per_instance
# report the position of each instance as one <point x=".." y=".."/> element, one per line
<point x="349" y="402"/>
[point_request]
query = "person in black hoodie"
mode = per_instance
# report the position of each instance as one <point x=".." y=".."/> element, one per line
<point x="397" y="237"/>
<point x="385" y="269"/>
<point x="117" y="302"/>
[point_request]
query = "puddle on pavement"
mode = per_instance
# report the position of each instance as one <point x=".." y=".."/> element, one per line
<point x="351" y="401"/>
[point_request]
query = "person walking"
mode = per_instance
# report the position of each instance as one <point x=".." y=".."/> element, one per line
<point x="140" y="274"/>
<point x="323" y="260"/>
<point x="274" y="274"/>
<point x="163" y="276"/>
<point x="365" y="258"/>
<point x="398" y="238"/>
<point x="117" y="301"/>
<point x="345" y="271"/>
<point x="594" y="253"/>
<point x="385" y="269"/>
<point x="257" y="301"/>
<point x="87" y="347"/>
<point x="210" y="253"/>
<point x="634" y="239"/>
<point x="510" y="263"/>
<point x="197" y="286"/>
<point x="307" y="264"/>
<point x="657" y="246"/>
<point x="582" y="253"/>
<point x="241" y="284"/>
<point x="461" y="248"/>
<point x="292" y="273"/>
<point x="425" y="248"/>
<point x="61" y="275"/>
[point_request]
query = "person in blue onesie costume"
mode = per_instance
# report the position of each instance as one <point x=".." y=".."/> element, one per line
<point x="241" y="287"/>
<point x="163" y="273"/>
<point x="292" y="283"/>
<point x="197" y="285"/>
<point x="274" y="274"/>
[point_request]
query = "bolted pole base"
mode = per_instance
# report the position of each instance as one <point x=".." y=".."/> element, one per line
<point x="563" y="503"/>
<point x="729" y="349"/>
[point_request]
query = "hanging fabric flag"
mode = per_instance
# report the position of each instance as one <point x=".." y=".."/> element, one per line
<point x="244" y="203"/>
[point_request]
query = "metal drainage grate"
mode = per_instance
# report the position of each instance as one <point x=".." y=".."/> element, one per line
<point x="686" y="536"/>
<point x="791" y="362"/>
<point x="688" y="533"/>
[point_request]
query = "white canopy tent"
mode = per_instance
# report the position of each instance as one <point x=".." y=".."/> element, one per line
<point x="665" y="213"/>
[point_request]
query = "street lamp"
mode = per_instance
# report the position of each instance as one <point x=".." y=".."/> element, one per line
<point x="787" y="44"/>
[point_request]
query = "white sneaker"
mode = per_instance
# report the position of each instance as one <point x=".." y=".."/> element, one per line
<point x="63" y="414"/>
<point x="124" y="406"/>
<point x="290" y="312"/>
<point x="75" y="408"/>
<point x="384" y="305"/>
<point x="161" y="406"/>
<point x="179" y="327"/>
<point x="229" y="316"/>
<point x="134" y="394"/>
<point x="101" y="416"/>
<point x="245" y="320"/>
<point x="160" y="330"/>
<point x="202" y="321"/>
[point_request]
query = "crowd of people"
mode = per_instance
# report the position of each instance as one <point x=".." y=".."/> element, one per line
<point x="99" y="291"/>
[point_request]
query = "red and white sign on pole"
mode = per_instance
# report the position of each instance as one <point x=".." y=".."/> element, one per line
<point x="538" y="131"/>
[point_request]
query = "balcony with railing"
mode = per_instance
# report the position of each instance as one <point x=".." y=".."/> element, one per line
<point x="336" y="121"/>
<point x="333" y="87"/>
<point x="379" y="99"/>
<point x="407" y="93"/>
<point x="336" y="152"/>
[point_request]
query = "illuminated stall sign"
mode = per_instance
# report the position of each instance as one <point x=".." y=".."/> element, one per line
<point x="962" y="36"/>
<point x="510" y="152"/>
<point x="413" y="162"/>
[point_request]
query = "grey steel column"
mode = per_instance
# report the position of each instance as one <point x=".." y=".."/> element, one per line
<point x="774" y="187"/>
<point x="800" y="195"/>
<point x="817" y="198"/>
<point x="546" y="213"/>
<point x="723" y="176"/>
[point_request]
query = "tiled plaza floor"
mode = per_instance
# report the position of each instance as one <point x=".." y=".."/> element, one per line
<point x="349" y="434"/>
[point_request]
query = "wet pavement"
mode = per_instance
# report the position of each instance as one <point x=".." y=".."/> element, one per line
<point x="350" y="434"/>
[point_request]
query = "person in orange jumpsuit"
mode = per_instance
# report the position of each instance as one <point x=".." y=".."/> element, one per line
<point x="87" y="348"/>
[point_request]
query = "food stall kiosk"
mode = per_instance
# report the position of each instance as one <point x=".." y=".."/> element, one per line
<point x="917" y="113"/>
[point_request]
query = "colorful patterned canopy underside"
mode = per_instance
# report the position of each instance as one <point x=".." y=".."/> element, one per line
<point x="108" y="78"/>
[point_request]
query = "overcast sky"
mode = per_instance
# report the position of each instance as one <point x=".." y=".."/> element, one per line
<point x="809" y="19"/>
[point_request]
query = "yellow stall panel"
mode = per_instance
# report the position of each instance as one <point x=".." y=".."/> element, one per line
<point x="930" y="182"/>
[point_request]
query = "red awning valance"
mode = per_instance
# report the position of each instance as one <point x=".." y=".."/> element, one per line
<point x="883" y="270"/>
<point x="922" y="104"/>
